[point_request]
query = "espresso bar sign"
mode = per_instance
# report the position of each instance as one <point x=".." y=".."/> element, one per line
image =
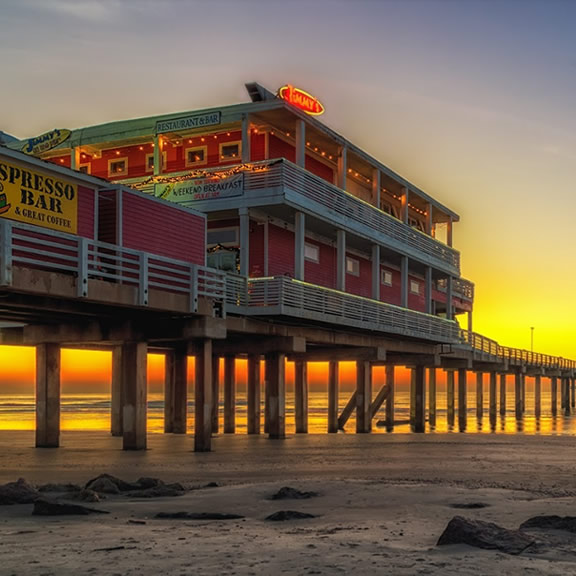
<point x="37" y="198"/>
<point x="198" y="189"/>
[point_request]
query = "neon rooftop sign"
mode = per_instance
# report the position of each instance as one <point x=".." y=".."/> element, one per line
<point x="301" y="99"/>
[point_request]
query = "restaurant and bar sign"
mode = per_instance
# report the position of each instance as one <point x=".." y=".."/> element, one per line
<point x="197" y="189"/>
<point x="37" y="198"/>
<point x="188" y="122"/>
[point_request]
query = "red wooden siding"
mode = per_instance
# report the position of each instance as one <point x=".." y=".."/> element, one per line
<point x="107" y="217"/>
<point x="160" y="228"/>
<point x="256" y="250"/>
<point x="86" y="198"/>
<point x="322" y="273"/>
<point x="280" y="251"/>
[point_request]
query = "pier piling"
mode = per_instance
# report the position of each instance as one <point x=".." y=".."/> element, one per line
<point x="47" y="396"/>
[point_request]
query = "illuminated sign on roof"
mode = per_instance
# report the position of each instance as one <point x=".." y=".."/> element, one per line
<point x="301" y="100"/>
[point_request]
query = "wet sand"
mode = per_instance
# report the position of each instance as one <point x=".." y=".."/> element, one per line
<point x="384" y="501"/>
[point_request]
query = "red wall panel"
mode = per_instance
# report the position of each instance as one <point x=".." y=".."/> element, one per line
<point x="86" y="199"/>
<point x="322" y="273"/>
<point x="280" y="251"/>
<point x="256" y="250"/>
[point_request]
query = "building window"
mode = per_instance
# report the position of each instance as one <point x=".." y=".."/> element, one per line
<point x="196" y="156"/>
<point x="230" y="151"/>
<point x="414" y="287"/>
<point x="118" y="167"/>
<point x="150" y="161"/>
<point x="84" y="168"/>
<point x="222" y="236"/>
<point x="352" y="266"/>
<point x="311" y="253"/>
<point x="386" y="277"/>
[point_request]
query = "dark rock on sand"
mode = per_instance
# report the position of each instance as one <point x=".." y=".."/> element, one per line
<point x="283" y="515"/>
<point x="160" y="491"/>
<point x="484" y="535"/>
<point x="143" y="488"/>
<point x="84" y="496"/>
<point x="52" y="508"/>
<point x="566" y="523"/>
<point x="469" y="505"/>
<point x="288" y="493"/>
<point x="197" y="516"/>
<point x="19" y="492"/>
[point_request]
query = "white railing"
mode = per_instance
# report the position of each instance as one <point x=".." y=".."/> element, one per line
<point x="289" y="297"/>
<point x="285" y="173"/>
<point x="34" y="247"/>
<point x="516" y="356"/>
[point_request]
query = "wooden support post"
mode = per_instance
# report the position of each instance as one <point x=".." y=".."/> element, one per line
<point x="333" y="378"/>
<point x="169" y="392"/>
<point x="503" y="394"/>
<point x="450" y="398"/>
<point x="479" y="395"/>
<point x="492" y="398"/>
<point x="419" y="381"/>
<point x="301" y="396"/>
<point x="518" y="394"/>
<point x="229" y="395"/>
<point x="203" y="386"/>
<point x="379" y="400"/>
<point x="347" y="411"/>
<point x="180" y="390"/>
<point x="253" y="394"/>
<point x="537" y="395"/>
<point x="390" y="399"/>
<point x="412" y="398"/>
<point x="554" y="395"/>
<point x="276" y="391"/>
<point x="47" y="396"/>
<point x="266" y="401"/>
<point x="363" y="396"/>
<point x="116" y="401"/>
<point x="134" y="387"/>
<point x="572" y="392"/>
<point x="566" y="394"/>
<point x="523" y="392"/>
<point x="562" y="395"/>
<point x="432" y="397"/>
<point x="215" y="395"/>
<point x="462" y="400"/>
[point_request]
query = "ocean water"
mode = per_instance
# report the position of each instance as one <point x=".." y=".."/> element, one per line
<point x="92" y="412"/>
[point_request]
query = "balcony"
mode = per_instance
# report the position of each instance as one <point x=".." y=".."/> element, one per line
<point x="280" y="182"/>
<point x="283" y="296"/>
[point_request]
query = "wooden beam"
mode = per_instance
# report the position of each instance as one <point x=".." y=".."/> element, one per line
<point x="390" y="400"/>
<point x="363" y="396"/>
<point x="47" y="396"/>
<point x="134" y="389"/>
<point x="215" y="394"/>
<point x="347" y="411"/>
<point x="116" y="393"/>
<point x="379" y="400"/>
<point x="253" y="394"/>
<point x="276" y="386"/>
<point x="333" y="381"/>
<point x="419" y="381"/>
<point x="301" y="396"/>
<point x="203" y="397"/>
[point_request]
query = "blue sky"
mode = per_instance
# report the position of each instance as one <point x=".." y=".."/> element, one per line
<point x="473" y="101"/>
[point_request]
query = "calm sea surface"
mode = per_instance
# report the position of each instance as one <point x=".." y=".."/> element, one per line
<point x="92" y="412"/>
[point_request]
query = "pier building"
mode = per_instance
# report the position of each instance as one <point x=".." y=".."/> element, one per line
<point x="250" y="230"/>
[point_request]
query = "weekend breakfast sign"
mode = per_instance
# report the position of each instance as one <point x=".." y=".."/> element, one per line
<point x="37" y="198"/>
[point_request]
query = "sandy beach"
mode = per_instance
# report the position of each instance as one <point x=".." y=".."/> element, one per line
<point x="383" y="502"/>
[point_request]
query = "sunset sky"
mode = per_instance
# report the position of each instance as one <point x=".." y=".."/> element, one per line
<point x="472" y="101"/>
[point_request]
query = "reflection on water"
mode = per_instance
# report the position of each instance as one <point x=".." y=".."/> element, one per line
<point x="92" y="412"/>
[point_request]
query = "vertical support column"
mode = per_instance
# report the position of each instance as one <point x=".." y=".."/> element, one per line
<point x="428" y="289"/>
<point x="253" y="394"/>
<point x="503" y="394"/>
<point x="301" y="396"/>
<point x="376" y="187"/>
<point x="462" y="399"/>
<point x="47" y="395"/>
<point x="429" y="218"/>
<point x="449" y="232"/>
<point x="300" y="143"/>
<point x="572" y="392"/>
<point x="479" y="395"/>
<point x="492" y="400"/>
<point x="169" y="392"/>
<point x="244" y="215"/>
<point x="404" y="282"/>
<point x="203" y="383"/>
<point x="449" y="297"/>
<point x="432" y="396"/>
<point x="299" y="240"/>
<point x="246" y="138"/>
<point x="450" y="397"/>
<point x="389" y="410"/>
<point x="341" y="260"/>
<point x="158" y="144"/>
<point x="419" y="381"/>
<point x="405" y="200"/>
<point x="215" y="394"/>
<point x="518" y="394"/>
<point x="180" y="390"/>
<point x="554" y="395"/>
<point x="375" y="271"/>
<point x="333" y="375"/>
<point x="469" y="318"/>
<point x="342" y="167"/>
<point x="229" y="395"/>
<point x="363" y="396"/>
<point x="523" y="392"/>
<point x="566" y="395"/>
<point x="116" y="401"/>
<point x="75" y="158"/>
<point x="134" y="388"/>
<point x="537" y="395"/>
<point x="276" y="390"/>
